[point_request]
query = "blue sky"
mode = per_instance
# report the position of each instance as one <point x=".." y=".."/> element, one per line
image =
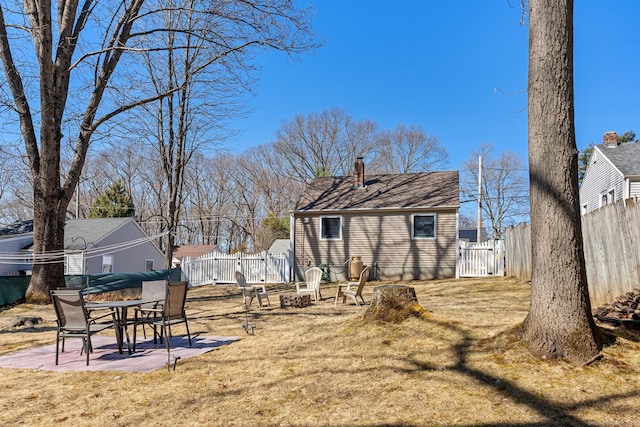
<point x="456" y="68"/>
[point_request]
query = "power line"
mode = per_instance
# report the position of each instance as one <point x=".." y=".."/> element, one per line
<point x="55" y="257"/>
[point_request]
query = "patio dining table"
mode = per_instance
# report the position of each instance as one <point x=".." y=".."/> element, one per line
<point x="121" y="307"/>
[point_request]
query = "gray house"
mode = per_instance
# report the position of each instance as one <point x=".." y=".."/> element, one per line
<point x="102" y="245"/>
<point x="613" y="173"/>
<point x="404" y="226"/>
<point x="15" y="243"/>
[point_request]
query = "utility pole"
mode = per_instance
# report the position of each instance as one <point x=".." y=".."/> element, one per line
<point x="478" y="238"/>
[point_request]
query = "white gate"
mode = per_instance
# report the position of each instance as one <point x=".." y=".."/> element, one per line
<point x="481" y="259"/>
<point x="216" y="267"/>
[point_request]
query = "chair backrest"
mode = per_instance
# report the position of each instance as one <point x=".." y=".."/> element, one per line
<point x="175" y="299"/>
<point x="154" y="290"/>
<point x="242" y="282"/>
<point x="364" y="275"/>
<point x="312" y="277"/>
<point x="69" y="307"/>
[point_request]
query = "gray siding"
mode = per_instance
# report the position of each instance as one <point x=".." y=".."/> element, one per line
<point x="131" y="259"/>
<point x="11" y="247"/>
<point x="600" y="176"/>
<point x="383" y="240"/>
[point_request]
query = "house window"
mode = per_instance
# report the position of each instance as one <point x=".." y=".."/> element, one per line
<point x="424" y="226"/>
<point x="330" y="228"/>
<point x="607" y="197"/>
<point x="74" y="263"/>
<point x="107" y="263"/>
<point x="148" y="265"/>
<point x="584" y="208"/>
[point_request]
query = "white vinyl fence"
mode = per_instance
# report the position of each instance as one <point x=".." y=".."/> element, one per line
<point x="217" y="267"/>
<point x="481" y="259"/>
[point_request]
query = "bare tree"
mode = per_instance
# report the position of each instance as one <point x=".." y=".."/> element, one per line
<point x="262" y="166"/>
<point x="407" y="150"/>
<point x="276" y="193"/>
<point x="559" y="323"/>
<point x="324" y="144"/>
<point x="79" y="83"/>
<point x="211" y="210"/>
<point x="505" y="191"/>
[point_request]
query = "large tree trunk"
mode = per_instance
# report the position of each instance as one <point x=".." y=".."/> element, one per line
<point x="559" y="323"/>
<point x="48" y="237"/>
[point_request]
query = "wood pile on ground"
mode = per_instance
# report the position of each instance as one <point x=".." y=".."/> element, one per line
<point x="625" y="308"/>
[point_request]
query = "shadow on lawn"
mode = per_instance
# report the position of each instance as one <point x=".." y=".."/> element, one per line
<point x="554" y="414"/>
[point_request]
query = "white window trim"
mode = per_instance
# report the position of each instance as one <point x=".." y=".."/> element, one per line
<point x="585" y="208"/>
<point x="435" y="226"/>
<point x="611" y="192"/>
<point x="320" y="226"/>
<point x="603" y="197"/>
<point x="153" y="264"/>
<point x="111" y="260"/>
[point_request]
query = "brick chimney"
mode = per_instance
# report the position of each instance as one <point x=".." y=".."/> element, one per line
<point x="610" y="139"/>
<point x="358" y="174"/>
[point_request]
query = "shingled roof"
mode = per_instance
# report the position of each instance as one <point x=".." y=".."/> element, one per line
<point x="625" y="157"/>
<point x="394" y="191"/>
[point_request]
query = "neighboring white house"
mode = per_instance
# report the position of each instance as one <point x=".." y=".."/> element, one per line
<point x="15" y="243"/>
<point x="102" y="245"/>
<point x="613" y="173"/>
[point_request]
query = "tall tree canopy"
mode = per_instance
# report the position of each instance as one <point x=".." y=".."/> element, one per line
<point x="71" y="67"/>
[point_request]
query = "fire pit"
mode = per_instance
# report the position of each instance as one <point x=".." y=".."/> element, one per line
<point x="294" y="300"/>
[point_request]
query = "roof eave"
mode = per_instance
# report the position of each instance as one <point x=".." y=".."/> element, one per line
<point x="388" y="209"/>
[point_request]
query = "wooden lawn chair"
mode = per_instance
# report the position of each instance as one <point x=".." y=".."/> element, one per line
<point x="353" y="289"/>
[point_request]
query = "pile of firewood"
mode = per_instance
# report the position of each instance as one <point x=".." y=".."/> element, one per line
<point x="626" y="306"/>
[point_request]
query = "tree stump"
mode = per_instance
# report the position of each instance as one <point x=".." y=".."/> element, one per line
<point x="394" y="304"/>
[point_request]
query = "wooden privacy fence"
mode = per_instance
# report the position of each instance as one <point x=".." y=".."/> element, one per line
<point x="611" y="242"/>
<point x="517" y="246"/>
<point x="217" y="267"/>
<point x="481" y="259"/>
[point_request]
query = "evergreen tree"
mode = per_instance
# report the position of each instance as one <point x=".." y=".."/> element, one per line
<point x="583" y="161"/>
<point x="272" y="228"/>
<point x="115" y="202"/>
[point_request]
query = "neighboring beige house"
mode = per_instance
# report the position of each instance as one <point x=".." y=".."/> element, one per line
<point x="404" y="226"/>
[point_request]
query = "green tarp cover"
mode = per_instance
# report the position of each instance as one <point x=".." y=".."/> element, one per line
<point x="14" y="288"/>
<point x="107" y="282"/>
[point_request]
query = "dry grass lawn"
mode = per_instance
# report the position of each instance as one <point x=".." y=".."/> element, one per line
<point x="320" y="366"/>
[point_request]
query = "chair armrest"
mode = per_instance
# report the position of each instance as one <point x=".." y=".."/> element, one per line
<point x="91" y="309"/>
<point x="263" y="287"/>
<point x="350" y="284"/>
<point x="300" y="285"/>
<point x="149" y="310"/>
<point x="110" y="313"/>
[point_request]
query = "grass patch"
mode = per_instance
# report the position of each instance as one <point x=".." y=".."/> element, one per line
<point x="323" y="366"/>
